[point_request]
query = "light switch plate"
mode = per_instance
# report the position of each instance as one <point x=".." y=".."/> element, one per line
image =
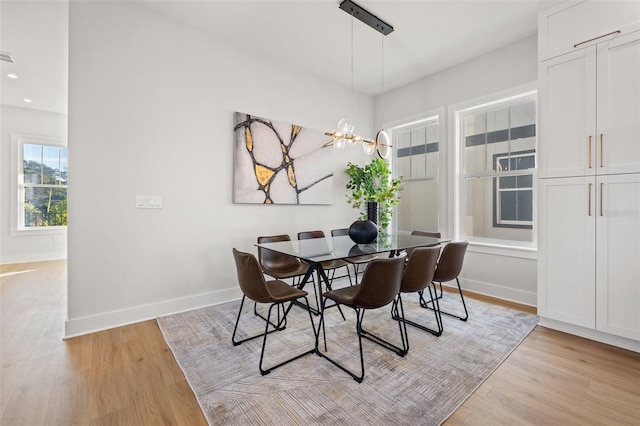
<point x="148" y="202"/>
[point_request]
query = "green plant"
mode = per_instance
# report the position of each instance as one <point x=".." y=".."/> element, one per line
<point x="373" y="184"/>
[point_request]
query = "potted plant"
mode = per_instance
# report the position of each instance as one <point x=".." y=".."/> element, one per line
<point x="373" y="184"/>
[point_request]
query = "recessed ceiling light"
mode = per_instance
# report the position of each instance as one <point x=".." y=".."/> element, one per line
<point x="12" y="76"/>
<point x="27" y="100"/>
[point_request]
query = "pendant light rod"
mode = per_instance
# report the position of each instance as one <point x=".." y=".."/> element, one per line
<point x="367" y="17"/>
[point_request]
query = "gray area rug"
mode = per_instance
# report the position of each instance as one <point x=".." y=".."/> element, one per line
<point x="425" y="387"/>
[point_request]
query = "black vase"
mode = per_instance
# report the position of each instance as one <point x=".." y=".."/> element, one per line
<point x="363" y="231"/>
<point x="372" y="212"/>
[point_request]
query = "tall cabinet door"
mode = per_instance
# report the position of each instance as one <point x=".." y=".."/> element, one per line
<point x="567" y="118"/>
<point x="618" y="128"/>
<point x="618" y="260"/>
<point x="566" y="260"/>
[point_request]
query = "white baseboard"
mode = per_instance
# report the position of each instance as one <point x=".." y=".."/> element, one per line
<point x="33" y="257"/>
<point x="528" y="298"/>
<point x="85" y="325"/>
<point x="598" y="336"/>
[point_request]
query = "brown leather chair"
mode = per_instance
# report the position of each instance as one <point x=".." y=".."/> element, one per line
<point x="424" y="234"/>
<point x="417" y="277"/>
<point x="279" y="265"/>
<point x="357" y="260"/>
<point x="275" y="292"/>
<point x="427" y="234"/>
<point x="380" y="286"/>
<point x="448" y="269"/>
<point x="330" y="265"/>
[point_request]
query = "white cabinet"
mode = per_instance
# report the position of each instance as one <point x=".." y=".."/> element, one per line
<point x="589" y="168"/>
<point x="618" y="254"/>
<point x="618" y="105"/>
<point x="571" y="25"/>
<point x="589" y="108"/>
<point x="567" y="103"/>
<point x="589" y="270"/>
<point x="566" y="264"/>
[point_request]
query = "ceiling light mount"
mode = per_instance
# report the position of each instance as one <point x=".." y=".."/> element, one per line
<point x="367" y="17"/>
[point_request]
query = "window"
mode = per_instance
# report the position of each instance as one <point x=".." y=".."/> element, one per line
<point x="497" y="143"/>
<point x="41" y="183"/>
<point x="514" y="194"/>
<point x="417" y="161"/>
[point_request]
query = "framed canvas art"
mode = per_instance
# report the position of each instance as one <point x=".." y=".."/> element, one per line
<point x="280" y="163"/>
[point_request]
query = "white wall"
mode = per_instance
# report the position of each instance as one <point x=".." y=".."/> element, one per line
<point x="504" y="273"/>
<point x="151" y="106"/>
<point x="25" y="248"/>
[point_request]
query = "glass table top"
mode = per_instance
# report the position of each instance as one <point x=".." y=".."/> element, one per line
<point x="332" y="248"/>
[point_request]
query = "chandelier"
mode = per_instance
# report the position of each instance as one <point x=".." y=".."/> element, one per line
<point x="344" y="134"/>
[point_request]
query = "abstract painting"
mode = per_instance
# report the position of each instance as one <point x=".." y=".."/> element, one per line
<point x="280" y="163"/>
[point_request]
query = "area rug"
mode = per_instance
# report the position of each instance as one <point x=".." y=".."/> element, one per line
<point x="424" y="387"/>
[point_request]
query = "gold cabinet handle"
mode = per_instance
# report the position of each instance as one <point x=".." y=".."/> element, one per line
<point x="601" y="150"/>
<point x="601" y="194"/>
<point x="589" y="152"/>
<point x="589" y="200"/>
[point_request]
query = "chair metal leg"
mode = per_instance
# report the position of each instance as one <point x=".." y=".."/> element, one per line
<point x="356" y="269"/>
<point x="434" y="300"/>
<point x="385" y="343"/>
<point x="398" y="315"/>
<point x="363" y="333"/>
<point x="281" y="324"/>
<point x="264" y="340"/>
<point x="277" y="327"/>
<point x="318" y="292"/>
<point x="308" y="275"/>
<point x="357" y="378"/>
<point x="328" y="284"/>
<point x="464" y="305"/>
<point x="348" y="273"/>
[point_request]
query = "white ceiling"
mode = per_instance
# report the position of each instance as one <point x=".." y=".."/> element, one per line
<point x="36" y="35"/>
<point x="313" y="36"/>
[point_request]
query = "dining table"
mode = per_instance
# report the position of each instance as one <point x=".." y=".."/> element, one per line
<point x="315" y="251"/>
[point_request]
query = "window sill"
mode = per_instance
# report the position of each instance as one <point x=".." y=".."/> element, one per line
<point x="504" y="250"/>
<point x="58" y="230"/>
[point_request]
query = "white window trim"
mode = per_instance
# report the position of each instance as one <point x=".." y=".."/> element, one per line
<point x="425" y="121"/>
<point x="444" y="224"/>
<point x="17" y="185"/>
<point x="455" y="163"/>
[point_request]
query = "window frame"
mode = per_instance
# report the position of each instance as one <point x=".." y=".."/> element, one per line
<point x="442" y="179"/>
<point x="18" y="186"/>
<point x="459" y="179"/>
<point x="514" y="224"/>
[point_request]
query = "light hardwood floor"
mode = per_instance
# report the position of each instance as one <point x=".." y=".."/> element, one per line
<point x="128" y="376"/>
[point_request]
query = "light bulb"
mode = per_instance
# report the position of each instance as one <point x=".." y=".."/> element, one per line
<point x="346" y="126"/>
<point x="338" y="143"/>
<point x="369" y="148"/>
